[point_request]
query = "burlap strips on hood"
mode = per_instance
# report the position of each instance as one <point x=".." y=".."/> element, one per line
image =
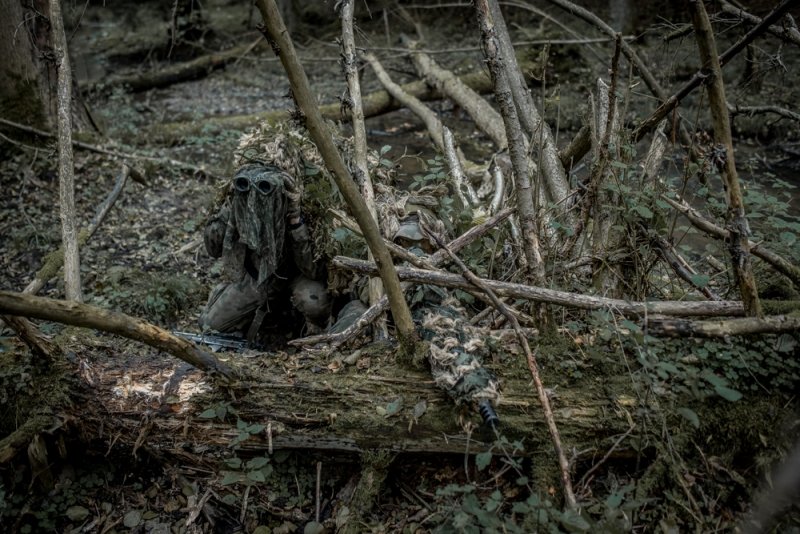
<point x="257" y="222"/>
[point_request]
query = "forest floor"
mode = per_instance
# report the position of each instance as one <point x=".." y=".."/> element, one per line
<point x="147" y="260"/>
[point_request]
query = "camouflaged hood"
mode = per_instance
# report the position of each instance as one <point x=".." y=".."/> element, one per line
<point x="259" y="204"/>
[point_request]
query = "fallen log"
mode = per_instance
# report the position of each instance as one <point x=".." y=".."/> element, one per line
<point x="376" y="103"/>
<point x="552" y="296"/>
<point x="303" y="402"/>
<point x="722" y="328"/>
<point x="78" y="314"/>
<point x="166" y="75"/>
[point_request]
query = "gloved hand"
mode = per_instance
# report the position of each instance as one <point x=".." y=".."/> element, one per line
<point x="294" y="217"/>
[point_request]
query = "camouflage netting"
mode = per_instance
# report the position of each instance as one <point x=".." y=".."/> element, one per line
<point x="453" y="358"/>
<point x="289" y="147"/>
<point x="258" y="222"/>
<point x="455" y="366"/>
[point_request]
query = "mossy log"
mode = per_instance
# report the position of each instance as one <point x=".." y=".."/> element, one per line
<point x="306" y="402"/>
<point x="375" y="103"/>
<point x="166" y="75"/>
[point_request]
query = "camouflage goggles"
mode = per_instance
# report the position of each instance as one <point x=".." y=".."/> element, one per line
<point x="264" y="182"/>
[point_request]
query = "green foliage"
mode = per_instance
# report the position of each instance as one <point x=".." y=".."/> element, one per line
<point x="66" y="507"/>
<point x="122" y="117"/>
<point x="250" y="472"/>
<point x="219" y="411"/>
<point x="157" y="297"/>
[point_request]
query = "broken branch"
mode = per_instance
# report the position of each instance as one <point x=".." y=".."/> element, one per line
<point x="84" y="315"/>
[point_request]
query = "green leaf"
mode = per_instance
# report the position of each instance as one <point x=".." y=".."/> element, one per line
<point x="420" y="408"/>
<point x="483" y="459"/>
<point x="574" y="522"/>
<point x="714" y="380"/>
<point x="387" y="163"/>
<point x="669" y="368"/>
<point x="256" y="476"/>
<point x="700" y="280"/>
<point x="728" y="393"/>
<point x="788" y="238"/>
<point x="690" y="416"/>
<point x="394" y="407"/>
<point x="385" y="149"/>
<point x="520" y="508"/>
<point x="494" y="502"/>
<point x="614" y="500"/>
<point x="234" y="463"/>
<point x="257" y="463"/>
<point x="230" y="477"/>
<point x="256" y="428"/>
<point x="643" y="211"/>
<point x="211" y="413"/>
<point x="77" y="513"/>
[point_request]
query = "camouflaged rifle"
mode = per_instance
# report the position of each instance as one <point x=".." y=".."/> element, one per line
<point x="216" y="342"/>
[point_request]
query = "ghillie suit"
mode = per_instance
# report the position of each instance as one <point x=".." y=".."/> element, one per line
<point x="260" y="232"/>
<point x="454" y="364"/>
<point x="454" y="355"/>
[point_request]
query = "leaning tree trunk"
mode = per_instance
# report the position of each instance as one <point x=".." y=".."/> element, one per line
<point x="27" y="80"/>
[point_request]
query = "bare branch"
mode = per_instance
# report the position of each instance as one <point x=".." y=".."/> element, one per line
<point x="359" y="138"/>
<point x="307" y="102"/>
<point x="552" y="296"/>
<point x="78" y="314"/>
<point x="738" y="227"/>
<point x="781" y="264"/>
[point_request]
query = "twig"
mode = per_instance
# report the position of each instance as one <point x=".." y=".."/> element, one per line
<point x="245" y="499"/>
<point x="317" y="499"/>
<point x="461" y="185"/>
<point x="605" y="457"/>
<point x="779" y="263"/>
<point x="788" y="34"/>
<point x="360" y="142"/>
<point x="679" y="265"/>
<point x="672" y="102"/>
<point x="198" y="509"/>
<point x="532" y="366"/>
<point x="54" y="260"/>
<point x="100" y="150"/>
<point x="752" y="110"/>
<point x="319" y="133"/>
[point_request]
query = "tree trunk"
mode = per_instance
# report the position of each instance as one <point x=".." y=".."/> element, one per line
<point x="27" y="84"/>
<point x="66" y="168"/>
<point x="27" y="70"/>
